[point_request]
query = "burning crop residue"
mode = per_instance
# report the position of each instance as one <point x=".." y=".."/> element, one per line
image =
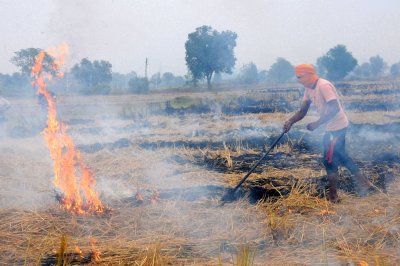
<point x="72" y="176"/>
<point x="95" y="254"/>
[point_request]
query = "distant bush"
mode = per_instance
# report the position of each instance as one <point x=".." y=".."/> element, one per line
<point x="138" y="85"/>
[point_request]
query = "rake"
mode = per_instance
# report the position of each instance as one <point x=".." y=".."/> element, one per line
<point x="230" y="195"/>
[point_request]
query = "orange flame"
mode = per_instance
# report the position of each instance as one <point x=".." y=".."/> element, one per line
<point x="78" y="250"/>
<point x="326" y="212"/>
<point x="95" y="254"/>
<point x="71" y="175"/>
<point x="155" y="197"/>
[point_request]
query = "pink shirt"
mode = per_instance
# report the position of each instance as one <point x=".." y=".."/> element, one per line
<point x="324" y="92"/>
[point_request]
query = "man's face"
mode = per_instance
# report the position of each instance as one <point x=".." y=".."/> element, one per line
<point x="305" y="80"/>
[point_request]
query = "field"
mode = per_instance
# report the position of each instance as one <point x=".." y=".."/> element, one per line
<point x="162" y="162"/>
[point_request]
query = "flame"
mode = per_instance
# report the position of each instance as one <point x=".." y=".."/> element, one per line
<point x="78" y="250"/>
<point x="95" y="254"/>
<point x="139" y="197"/>
<point x="326" y="212"/>
<point x="71" y="175"/>
<point x="155" y="197"/>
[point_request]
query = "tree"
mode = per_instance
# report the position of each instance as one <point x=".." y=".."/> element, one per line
<point x="337" y="62"/>
<point x="377" y="66"/>
<point x="15" y="84"/>
<point x="24" y="60"/>
<point x="179" y="81"/>
<point x="120" y="81"/>
<point x="94" y="76"/>
<point x="209" y="51"/>
<point x="395" y="70"/>
<point x="155" y="79"/>
<point x="190" y="80"/>
<point x="138" y="85"/>
<point x="167" y="79"/>
<point x="363" y="71"/>
<point x="281" y="71"/>
<point x="373" y="69"/>
<point x="217" y="79"/>
<point x="248" y="74"/>
<point x="321" y="70"/>
<point x="263" y="76"/>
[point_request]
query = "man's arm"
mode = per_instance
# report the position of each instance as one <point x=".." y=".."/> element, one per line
<point x="305" y="105"/>
<point x="332" y="108"/>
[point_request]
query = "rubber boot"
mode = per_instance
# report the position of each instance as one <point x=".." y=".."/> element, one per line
<point x="332" y="190"/>
<point x="363" y="185"/>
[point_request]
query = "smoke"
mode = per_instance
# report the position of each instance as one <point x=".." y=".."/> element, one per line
<point x="73" y="23"/>
<point x="114" y="189"/>
<point x="187" y="206"/>
<point x="370" y="135"/>
<point x="26" y="173"/>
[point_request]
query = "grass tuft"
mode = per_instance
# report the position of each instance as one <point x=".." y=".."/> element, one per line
<point x="245" y="256"/>
<point x="61" y="259"/>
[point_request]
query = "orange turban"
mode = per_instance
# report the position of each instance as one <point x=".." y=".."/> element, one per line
<point x="308" y="71"/>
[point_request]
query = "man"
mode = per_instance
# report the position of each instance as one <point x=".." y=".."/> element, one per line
<point x="323" y="95"/>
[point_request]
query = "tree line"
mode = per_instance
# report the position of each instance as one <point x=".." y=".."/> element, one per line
<point x="209" y="56"/>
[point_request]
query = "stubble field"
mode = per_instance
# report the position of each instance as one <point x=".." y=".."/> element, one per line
<point x="163" y="161"/>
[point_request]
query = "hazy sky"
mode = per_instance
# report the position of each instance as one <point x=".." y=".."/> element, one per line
<point x="125" y="32"/>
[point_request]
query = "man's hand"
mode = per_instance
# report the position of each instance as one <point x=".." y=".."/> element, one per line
<point x="297" y="116"/>
<point x="286" y="127"/>
<point x="312" y="126"/>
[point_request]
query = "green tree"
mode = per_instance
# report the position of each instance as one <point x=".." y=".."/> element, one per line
<point x="24" y="60"/>
<point x="94" y="76"/>
<point x="155" y="80"/>
<point x="263" y="76"/>
<point x="120" y="81"/>
<point x="395" y="70"/>
<point x="179" y="81"/>
<point x="363" y="71"/>
<point x="217" y="79"/>
<point x="190" y="80"/>
<point x="249" y="74"/>
<point x="378" y="66"/>
<point x="15" y="84"/>
<point x="337" y="62"/>
<point x="281" y="71"/>
<point x="321" y="70"/>
<point x="138" y="85"/>
<point x="167" y="79"/>
<point x="209" y="51"/>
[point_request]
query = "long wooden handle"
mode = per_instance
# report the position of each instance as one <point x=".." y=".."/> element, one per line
<point x="259" y="161"/>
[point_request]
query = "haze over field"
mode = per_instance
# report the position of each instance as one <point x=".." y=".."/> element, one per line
<point x="126" y="32"/>
<point x="103" y="164"/>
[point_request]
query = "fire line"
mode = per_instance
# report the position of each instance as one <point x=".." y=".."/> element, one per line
<point x="71" y="175"/>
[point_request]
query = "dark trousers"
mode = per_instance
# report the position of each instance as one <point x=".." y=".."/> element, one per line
<point x="335" y="152"/>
